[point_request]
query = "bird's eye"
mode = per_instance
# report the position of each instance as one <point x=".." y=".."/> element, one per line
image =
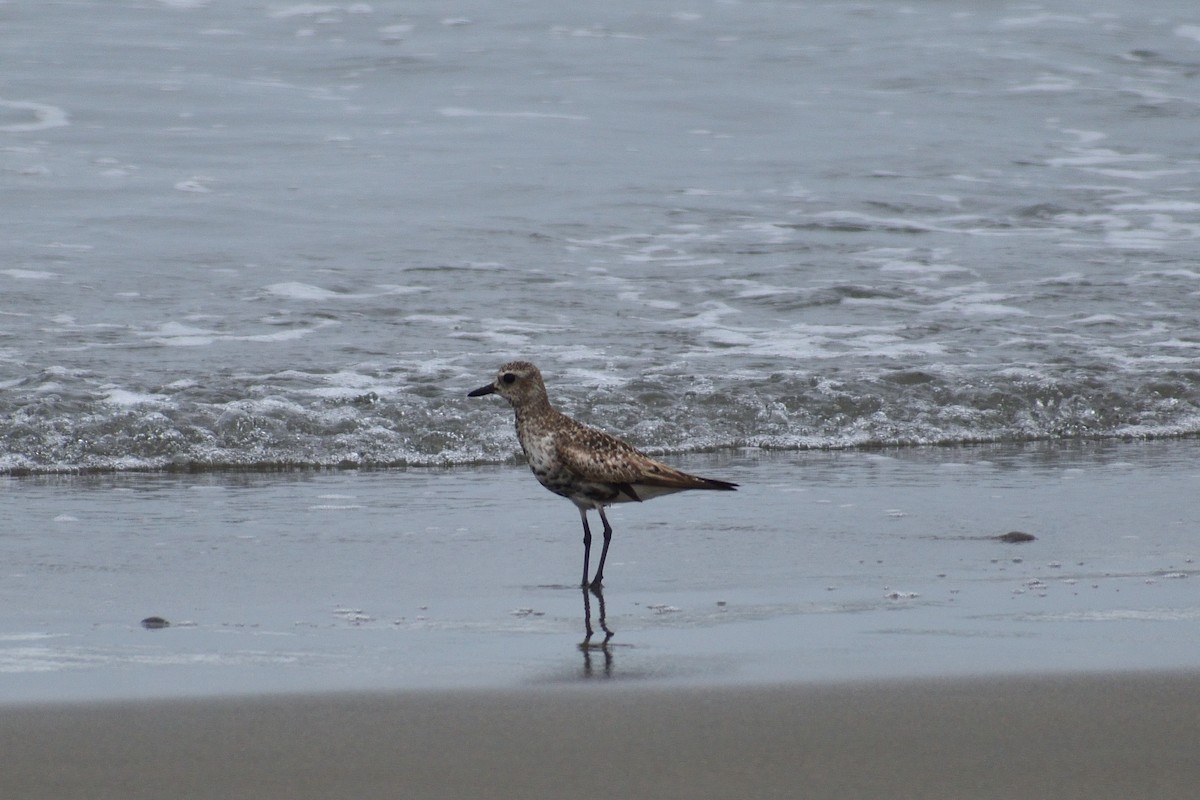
<point x="508" y="378"/>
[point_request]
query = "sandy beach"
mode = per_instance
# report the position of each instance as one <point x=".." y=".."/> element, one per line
<point x="846" y="625"/>
<point x="1094" y="737"/>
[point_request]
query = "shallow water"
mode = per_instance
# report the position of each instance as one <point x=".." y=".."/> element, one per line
<point x="297" y="234"/>
<point x="824" y="566"/>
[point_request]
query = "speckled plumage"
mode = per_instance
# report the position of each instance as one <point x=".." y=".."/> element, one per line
<point x="587" y="466"/>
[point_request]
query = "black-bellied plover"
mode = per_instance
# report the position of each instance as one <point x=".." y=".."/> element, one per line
<point x="589" y="467"/>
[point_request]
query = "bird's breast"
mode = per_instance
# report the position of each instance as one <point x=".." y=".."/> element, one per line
<point x="539" y="451"/>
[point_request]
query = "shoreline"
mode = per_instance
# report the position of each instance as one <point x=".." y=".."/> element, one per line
<point x="730" y="451"/>
<point x="824" y="567"/>
<point x="1093" y="735"/>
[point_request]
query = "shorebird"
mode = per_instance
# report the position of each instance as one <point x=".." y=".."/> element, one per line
<point x="587" y="466"/>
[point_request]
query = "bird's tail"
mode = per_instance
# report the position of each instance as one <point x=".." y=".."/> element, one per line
<point x="670" y="478"/>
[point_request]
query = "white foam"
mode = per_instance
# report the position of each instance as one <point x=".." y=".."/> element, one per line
<point x="984" y="304"/>
<point x="291" y="334"/>
<point x="598" y="32"/>
<point x="1099" y="155"/>
<point x="1178" y="206"/>
<point x="1100" y="319"/>
<point x="44" y="115"/>
<point x="1188" y="32"/>
<point x="1162" y="230"/>
<point x="506" y="339"/>
<point x="636" y="298"/>
<point x="121" y="397"/>
<point x="396" y="289"/>
<point x="177" y="334"/>
<point x="1178" y="343"/>
<point x="29" y="274"/>
<point x="1066" y="279"/>
<point x="1137" y="174"/>
<point x="918" y="268"/>
<point x="394" y="33"/>
<point x="17" y="660"/>
<point x="355" y="381"/>
<point x="452" y="111"/>
<point x="451" y="321"/>
<point x="1086" y="137"/>
<point x="712" y="312"/>
<point x="294" y="290"/>
<point x="28" y="637"/>
<point x="303" y="10"/>
<point x="1170" y="273"/>
<point x="300" y="291"/>
<point x="756" y="289"/>
<point x="728" y="337"/>
<point x="1045" y="18"/>
<point x="197" y="184"/>
<point x="1048" y="83"/>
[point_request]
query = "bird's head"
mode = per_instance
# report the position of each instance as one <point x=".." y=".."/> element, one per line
<point x="518" y="382"/>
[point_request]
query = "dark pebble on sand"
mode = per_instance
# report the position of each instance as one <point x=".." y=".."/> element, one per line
<point x="152" y="623"/>
<point x="1016" y="537"/>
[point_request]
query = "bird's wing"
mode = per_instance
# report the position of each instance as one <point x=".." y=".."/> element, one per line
<point x="597" y="456"/>
<point x="594" y="455"/>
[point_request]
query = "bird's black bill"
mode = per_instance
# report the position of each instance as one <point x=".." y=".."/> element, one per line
<point x="482" y="390"/>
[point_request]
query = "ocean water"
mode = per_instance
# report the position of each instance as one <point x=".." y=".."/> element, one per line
<point x="296" y="234"/>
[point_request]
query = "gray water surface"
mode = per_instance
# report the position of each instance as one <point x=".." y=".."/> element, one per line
<point x="297" y="234"/>
<point x="824" y="566"/>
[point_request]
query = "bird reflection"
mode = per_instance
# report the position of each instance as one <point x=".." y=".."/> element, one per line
<point x="587" y="646"/>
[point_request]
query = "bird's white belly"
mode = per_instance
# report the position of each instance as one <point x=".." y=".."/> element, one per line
<point x="539" y="450"/>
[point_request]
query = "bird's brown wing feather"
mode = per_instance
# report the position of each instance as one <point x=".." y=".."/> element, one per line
<point x="597" y="456"/>
<point x="594" y="455"/>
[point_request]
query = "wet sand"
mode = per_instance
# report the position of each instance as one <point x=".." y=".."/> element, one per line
<point x="847" y="625"/>
<point x="1087" y="736"/>
<point x="823" y="567"/>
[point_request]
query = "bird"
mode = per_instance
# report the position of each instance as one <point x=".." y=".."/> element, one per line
<point x="589" y="467"/>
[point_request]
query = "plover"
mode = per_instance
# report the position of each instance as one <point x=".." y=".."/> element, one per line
<point x="589" y="467"/>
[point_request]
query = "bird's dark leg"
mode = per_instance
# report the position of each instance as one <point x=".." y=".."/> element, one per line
<point x="587" y="544"/>
<point x="596" y="582"/>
